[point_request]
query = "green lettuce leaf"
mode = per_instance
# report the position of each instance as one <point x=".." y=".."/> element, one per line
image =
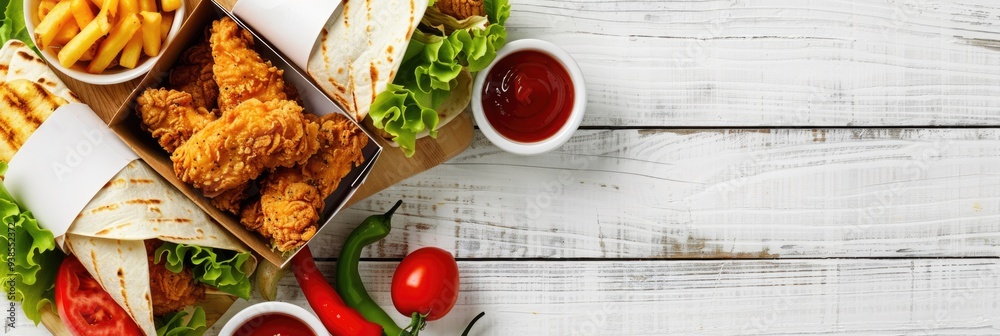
<point x="478" y="47"/>
<point x="431" y="65"/>
<point x="223" y="269"/>
<point x="175" y="325"/>
<point x="435" y="64"/>
<point x="33" y="254"/>
<point x="498" y="11"/>
<point x="397" y="112"/>
<point x="13" y="24"/>
<point x="3" y="13"/>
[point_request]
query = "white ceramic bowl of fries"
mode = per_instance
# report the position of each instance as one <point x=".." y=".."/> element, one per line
<point x="111" y="46"/>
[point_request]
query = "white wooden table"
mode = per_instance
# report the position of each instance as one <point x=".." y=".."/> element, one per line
<point x="745" y="167"/>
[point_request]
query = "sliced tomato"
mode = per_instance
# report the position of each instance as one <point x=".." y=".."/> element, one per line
<point x="426" y="282"/>
<point x="85" y="307"/>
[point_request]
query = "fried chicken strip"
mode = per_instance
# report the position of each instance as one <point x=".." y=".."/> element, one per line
<point x="239" y="71"/>
<point x="231" y="200"/>
<point x="171" y="116"/>
<point x="194" y="74"/>
<point x="171" y="292"/>
<point x="248" y="139"/>
<point x="292" y="199"/>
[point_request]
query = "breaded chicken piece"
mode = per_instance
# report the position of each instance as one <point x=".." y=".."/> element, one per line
<point x="231" y="200"/>
<point x="248" y="139"/>
<point x="292" y="199"/>
<point x="239" y="71"/>
<point x="193" y="74"/>
<point x="171" y="116"/>
<point x="461" y="9"/>
<point x="171" y="292"/>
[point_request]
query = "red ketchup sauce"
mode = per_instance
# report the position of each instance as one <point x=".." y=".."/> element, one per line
<point x="528" y="96"/>
<point x="274" y="325"/>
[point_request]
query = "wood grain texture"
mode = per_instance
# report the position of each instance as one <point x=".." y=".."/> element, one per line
<point x="777" y="62"/>
<point x="704" y="194"/>
<point x="712" y="297"/>
<point x="781" y="297"/>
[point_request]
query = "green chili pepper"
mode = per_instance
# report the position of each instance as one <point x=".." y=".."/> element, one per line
<point x="349" y="284"/>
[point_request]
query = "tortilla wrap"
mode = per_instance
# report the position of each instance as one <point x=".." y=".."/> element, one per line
<point x="17" y="61"/>
<point x="137" y="204"/>
<point x="361" y="48"/>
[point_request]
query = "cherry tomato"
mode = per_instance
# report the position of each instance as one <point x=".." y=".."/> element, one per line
<point x="426" y="282"/>
<point x="85" y="307"/>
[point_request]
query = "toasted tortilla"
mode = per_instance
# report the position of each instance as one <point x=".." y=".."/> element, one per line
<point x="25" y="105"/>
<point x="361" y="48"/>
<point x="137" y="204"/>
<point x="17" y="61"/>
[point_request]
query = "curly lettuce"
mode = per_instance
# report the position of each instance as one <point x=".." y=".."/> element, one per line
<point x="175" y="324"/>
<point x="398" y="112"/>
<point x="498" y="11"/>
<point x="431" y="65"/>
<point x="478" y="48"/>
<point x="32" y="257"/>
<point x="13" y="26"/>
<point x="222" y="269"/>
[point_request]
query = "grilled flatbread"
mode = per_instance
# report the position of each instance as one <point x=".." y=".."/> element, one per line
<point x="17" y="61"/>
<point x="25" y="106"/>
<point x="137" y="205"/>
<point x="361" y="49"/>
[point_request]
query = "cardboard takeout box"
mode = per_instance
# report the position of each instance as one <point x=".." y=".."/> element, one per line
<point x="127" y="125"/>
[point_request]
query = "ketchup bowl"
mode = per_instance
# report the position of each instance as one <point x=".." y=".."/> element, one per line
<point x="274" y="318"/>
<point x="531" y="99"/>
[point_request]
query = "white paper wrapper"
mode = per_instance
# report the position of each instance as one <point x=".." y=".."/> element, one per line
<point x="64" y="164"/>
<point x="291" y="26"/>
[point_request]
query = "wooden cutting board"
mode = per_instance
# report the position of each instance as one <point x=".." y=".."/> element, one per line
<point x="392" y="166"/>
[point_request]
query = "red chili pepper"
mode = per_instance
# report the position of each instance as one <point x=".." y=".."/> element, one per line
<point x="338" y="318"/>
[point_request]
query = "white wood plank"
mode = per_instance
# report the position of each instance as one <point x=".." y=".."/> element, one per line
<point x="849" y="297"/>
<point x="778" y="62"/>
<point x="789" y="297"/>
<point x="704" y="194"/>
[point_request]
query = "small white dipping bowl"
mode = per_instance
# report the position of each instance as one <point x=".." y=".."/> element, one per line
<point x="567" y="129"/>
<point x="112" y="75"/>
<point x="266" y="308"/>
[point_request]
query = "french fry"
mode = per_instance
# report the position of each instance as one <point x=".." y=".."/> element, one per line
<point x="81" y="12"/>
<point x="111" y="7"/>
<point x="165" y="22"/>
<point x="76" y="47"/>
<point x="147" y="5"/>
<point x="44" y="8"/>
<point x="66" y="33"/>
<point x="47" y="30"/>
<point x="92" y="51"/>
<point x="98" y="3"/>
<point x="120" y="35"/>
<point x="151" y="33"/>
<point x="128" y="7"/>
<point x="130" y="55"/>
<point x="170" y="5"/>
